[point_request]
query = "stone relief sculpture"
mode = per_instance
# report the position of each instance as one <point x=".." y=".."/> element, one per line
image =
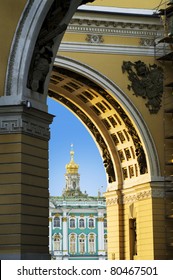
<point x="146" y="81"/>
<point x="43" y="51"/>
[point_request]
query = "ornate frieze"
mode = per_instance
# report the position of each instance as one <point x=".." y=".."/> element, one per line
<point x="112" y="27"/>
<point x="25" y="122"/>
<point x="136" y="196"/>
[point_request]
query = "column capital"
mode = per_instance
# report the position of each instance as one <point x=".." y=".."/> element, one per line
<point x="27" y="120"/>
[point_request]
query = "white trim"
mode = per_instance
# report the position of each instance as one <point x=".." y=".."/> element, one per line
<point x="106" y="49"/>
<point x="60" y="242"/>
<point x="114" y="10"/>
<point x="76" y="240"/>
<point x="60" y="222"/>
<point x="94" y="220"/>
<point x="85" y="240"/>
<point x="75" y="219"/>
<point x="84" y="219"/>
<point x="89" y="234"/>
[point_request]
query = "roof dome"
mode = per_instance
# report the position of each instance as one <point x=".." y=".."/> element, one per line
<point x="72" y="167"/>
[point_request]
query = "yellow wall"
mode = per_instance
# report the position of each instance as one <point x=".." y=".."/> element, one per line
<point x="10" y="14"/>
<point x="147" y="4"/>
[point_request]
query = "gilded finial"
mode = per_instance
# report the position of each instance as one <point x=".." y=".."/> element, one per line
<point x="72" y="167"/>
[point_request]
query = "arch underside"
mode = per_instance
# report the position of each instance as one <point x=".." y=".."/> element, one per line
<point x="121" y="146"/>
<point x="112" y="129"/>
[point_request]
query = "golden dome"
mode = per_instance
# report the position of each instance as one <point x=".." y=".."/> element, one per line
<point x="72" y="167"/>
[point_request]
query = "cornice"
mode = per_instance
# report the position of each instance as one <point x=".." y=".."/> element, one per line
<point x="106" y="49"/>
<point x="115" y="27"/>
<point x="115" y="10"/>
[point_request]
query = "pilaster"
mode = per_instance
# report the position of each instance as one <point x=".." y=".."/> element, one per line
<point x="100" y="220"/>
<point x="65" y="236"/>
<point x="24" y="136"/>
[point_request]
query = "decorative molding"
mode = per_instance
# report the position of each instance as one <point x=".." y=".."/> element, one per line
<point x="116" y="28"/>
<point x="27" y="122"/>
<point x="136" y="196"/>
<point x="16" y="46"/>
<point x="107" y="48"/>
<point x="115" y="10"/>
<point x="100" y="219"/>
<point x="94" y="38"/>
<point x="112" y="201"/>
<point x="148" y="42"/>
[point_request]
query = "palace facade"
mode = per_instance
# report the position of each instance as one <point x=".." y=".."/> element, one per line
<point x="77" y="222"/>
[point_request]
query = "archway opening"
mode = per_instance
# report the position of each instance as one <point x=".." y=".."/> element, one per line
<point x="115" y="133"/>
<point x="67" y="129"/>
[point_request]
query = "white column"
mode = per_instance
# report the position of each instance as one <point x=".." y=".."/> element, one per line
<point x="101" y="251"/>
<point x="50" y="234"/>
<point x="65" y="236"/>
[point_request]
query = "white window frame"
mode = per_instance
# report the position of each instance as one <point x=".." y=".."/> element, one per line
<point x="75" y="243"/>
<point x="91" y="234"/>
<point x="82" y="236"/>
<point x="91" y="218"/>
<point x="57" y="217"/>
<point x="81" y="218"/>
<point x="60" y="242"/>
<point x="72" y="218"/>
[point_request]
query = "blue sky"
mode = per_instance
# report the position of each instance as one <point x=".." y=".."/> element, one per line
<point x="66" y="129"/>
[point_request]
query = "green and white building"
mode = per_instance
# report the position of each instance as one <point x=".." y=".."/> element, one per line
<point x="77" y="222"/>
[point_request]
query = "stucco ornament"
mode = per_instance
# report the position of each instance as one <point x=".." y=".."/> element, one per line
<point x="43" y="54"/>
<point x="146" y="81"/>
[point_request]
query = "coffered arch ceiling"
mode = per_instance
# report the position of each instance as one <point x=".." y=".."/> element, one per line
<point x="128" y="154"/>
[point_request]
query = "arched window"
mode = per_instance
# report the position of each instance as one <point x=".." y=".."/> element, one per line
<point x="82" y="243"/>
<point x="57" y="222"/>
<point x="57" y="242"/>
<point x="91" y="244"/>
<point x="72" y="223"/>
<point x="81" y="223"/>
<point x="91" y="223"/>
<point x="105" y="243"/>
<point x="72" y="244"/>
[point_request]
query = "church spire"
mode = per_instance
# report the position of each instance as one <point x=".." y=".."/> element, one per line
<point x="72" y="167"/>
<point x="72" y="178"/>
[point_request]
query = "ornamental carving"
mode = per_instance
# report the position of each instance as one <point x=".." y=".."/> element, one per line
<point x="136" y="196"/>
<point x="43" y="51"/>
<point x="146" y="82"/>
<point x="94" y="38"/>
<point x="21" y="122"/>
